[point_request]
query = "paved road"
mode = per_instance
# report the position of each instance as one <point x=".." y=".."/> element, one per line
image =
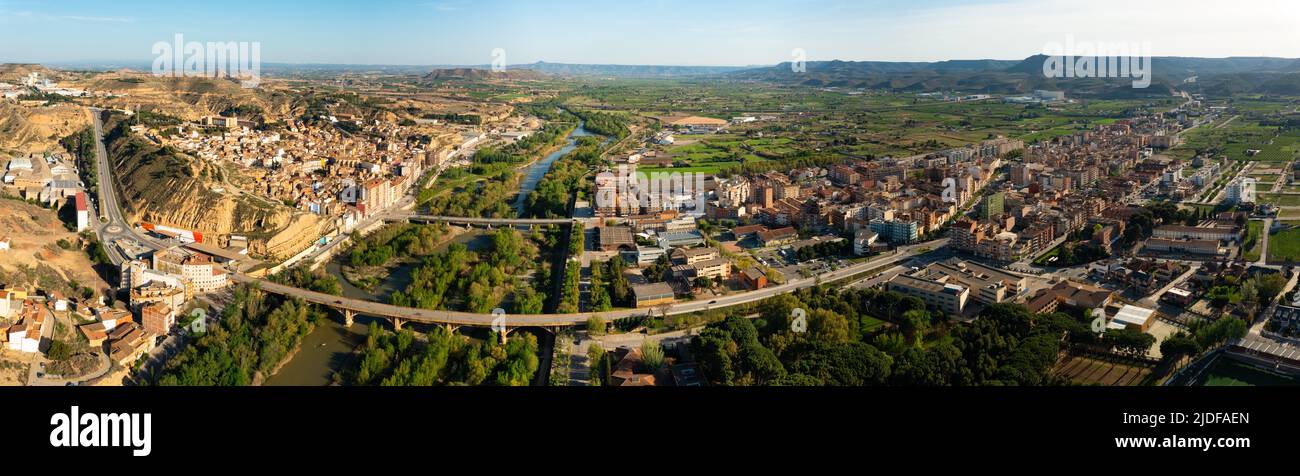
<point x="104" y="367"/>
<point x="563" y="320"/>
<point x="112" y="226"/>
<point x="1263" y="242"/>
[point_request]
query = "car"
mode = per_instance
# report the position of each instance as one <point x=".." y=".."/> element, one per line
<point x="715" y="301"/>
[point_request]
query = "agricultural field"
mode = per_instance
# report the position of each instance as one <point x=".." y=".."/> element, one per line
<point x="1284" y="246"/>
<point x="854" y="123"/>
<point x="1245" y="136"/>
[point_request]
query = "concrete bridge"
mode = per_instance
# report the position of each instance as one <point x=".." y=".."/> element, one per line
<point x="453" y="320"/>
<point x="398" y="315"/>
<point x="408" y="218"/>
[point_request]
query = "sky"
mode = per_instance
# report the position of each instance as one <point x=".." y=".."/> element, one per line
<point x="643" y="32"/>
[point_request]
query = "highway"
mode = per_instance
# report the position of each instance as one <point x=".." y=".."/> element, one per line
<point x="112" y="225"/>
<point x="564" y="320"/>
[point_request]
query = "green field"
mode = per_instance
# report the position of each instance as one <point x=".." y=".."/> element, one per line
<point x="1285" y="245"/>
<point x="1229" y="372"/>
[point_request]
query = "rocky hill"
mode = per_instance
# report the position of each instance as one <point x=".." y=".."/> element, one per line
<point x="38" y="129"/>
<point x="187" y="98"/>
<point x="481" y="74"/>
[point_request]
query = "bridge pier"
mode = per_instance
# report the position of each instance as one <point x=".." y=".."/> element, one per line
<point x="504" y="335"/>
<point x="348" y="317"/>
<point x="451" y="328"/>
<point x="397" y="323"/>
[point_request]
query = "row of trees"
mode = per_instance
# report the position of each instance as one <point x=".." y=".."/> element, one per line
<point x="609" y="285"/>
<point x="571" y="291"/>
<point x="605" y="123"/>
<point x="255" y="334"/>
<point x="440" y="358"/>
<point x="1007" y="345"/>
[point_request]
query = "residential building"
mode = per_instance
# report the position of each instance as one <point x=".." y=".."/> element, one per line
<point x="158" y="318"/>
<point x="948" y="298"/>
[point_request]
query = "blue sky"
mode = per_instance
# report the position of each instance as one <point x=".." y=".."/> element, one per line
<point x="683" y="32"/>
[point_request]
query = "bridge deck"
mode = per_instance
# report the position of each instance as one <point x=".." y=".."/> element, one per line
<point x="484" y="221"/>
<point x="412" y="314"/>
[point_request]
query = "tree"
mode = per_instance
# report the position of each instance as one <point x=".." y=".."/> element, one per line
<point x="596" y="325"/>
<point x="59" y="351"/>
<point x="652" y="355"/>
<point x="828" y="326"/>
<point x="1177" y="346"/>
<point x="915" y="323"/>
<point x="1128" y="341"/>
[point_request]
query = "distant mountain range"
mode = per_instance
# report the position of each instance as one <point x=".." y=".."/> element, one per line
<point x="1259" y="75"/>
<point x="1241" y="74"/>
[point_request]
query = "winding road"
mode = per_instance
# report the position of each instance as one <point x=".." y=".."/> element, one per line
<point x="112" y="224"/>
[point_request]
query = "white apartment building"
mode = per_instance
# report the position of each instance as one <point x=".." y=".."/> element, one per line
<point x="1242" y="190"/>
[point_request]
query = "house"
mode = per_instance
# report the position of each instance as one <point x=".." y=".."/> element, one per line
<point x="1179" y="297"/>
<point x="127" y="343"/>
<point x="34" y="324"/>
<point x="654" y="294"/>
<point x="58" y="301"/>
<point x="95" y="333"/>
<point x="4" y="243"/>
<point x="625" y="372"/>
<point x="753" y="278"/>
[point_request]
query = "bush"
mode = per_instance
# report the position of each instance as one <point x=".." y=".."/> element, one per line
<point x="596" y="326"/>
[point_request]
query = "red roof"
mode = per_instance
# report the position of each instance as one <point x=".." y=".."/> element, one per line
<point x="81" y="202"/>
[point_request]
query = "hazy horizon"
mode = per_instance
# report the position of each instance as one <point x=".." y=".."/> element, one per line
<point x="723" y="33"/>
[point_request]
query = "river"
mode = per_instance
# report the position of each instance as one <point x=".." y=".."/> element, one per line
<point x="539" y="168"/>
<point x="328" y="348"/>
